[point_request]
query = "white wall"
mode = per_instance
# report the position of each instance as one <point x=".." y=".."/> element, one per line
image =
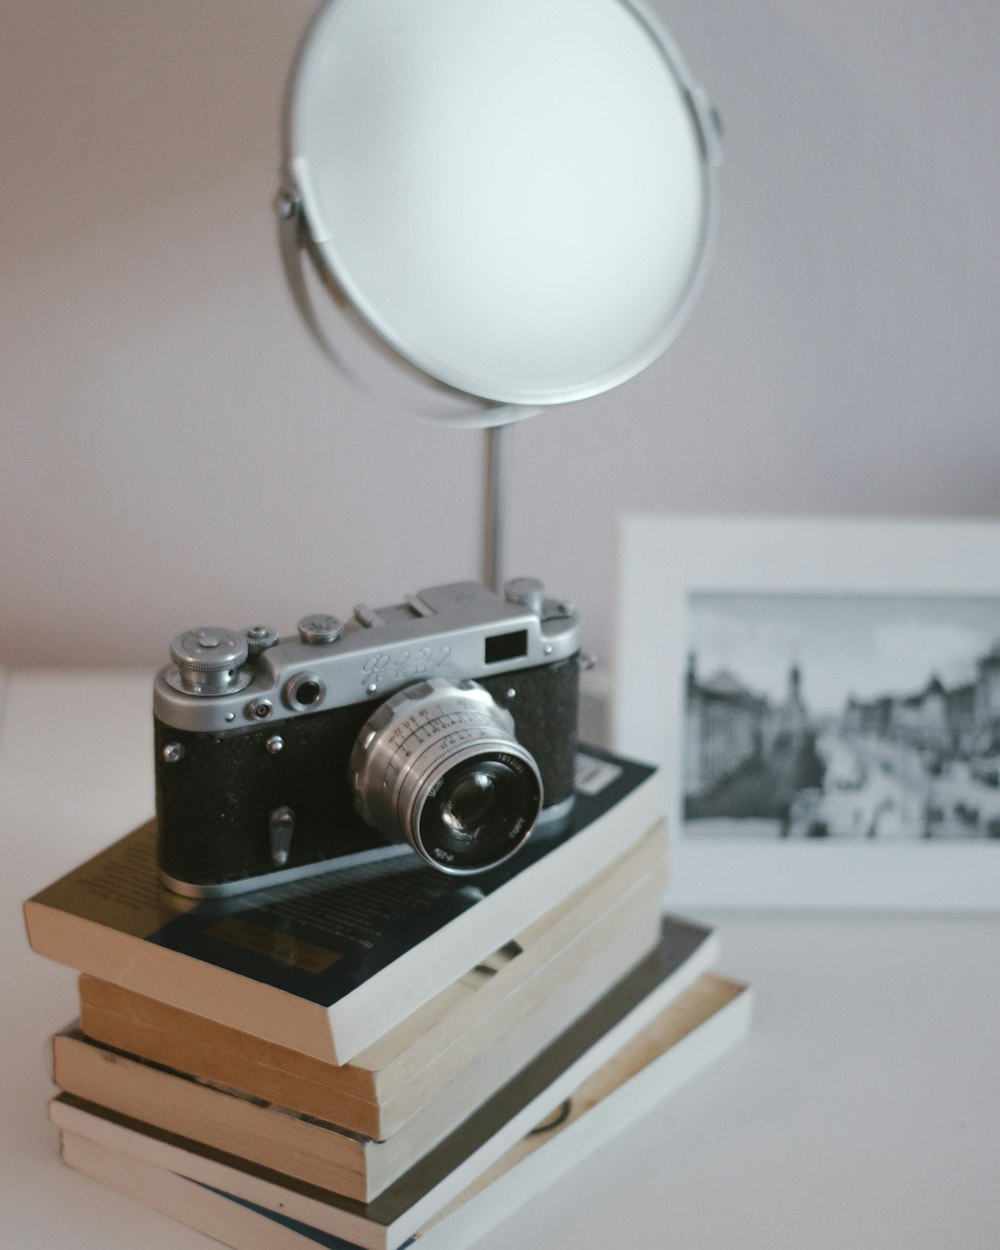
<point x="175" y="451"/>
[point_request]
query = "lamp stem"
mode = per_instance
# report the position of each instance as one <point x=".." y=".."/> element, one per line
<point x="498" y="439"/>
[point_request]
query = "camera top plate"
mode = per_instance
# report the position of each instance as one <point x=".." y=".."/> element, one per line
<point x="459" y="630"/>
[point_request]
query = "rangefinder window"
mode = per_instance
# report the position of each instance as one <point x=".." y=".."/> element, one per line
<point x="512" y="646"/>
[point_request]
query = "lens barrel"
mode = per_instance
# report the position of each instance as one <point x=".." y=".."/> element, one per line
<point x="438" y="766"/>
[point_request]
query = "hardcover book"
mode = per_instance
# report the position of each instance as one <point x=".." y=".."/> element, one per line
<point x="562" y="957"/>
<point x="582" y="1110"/>
<point x="328" y="965"/>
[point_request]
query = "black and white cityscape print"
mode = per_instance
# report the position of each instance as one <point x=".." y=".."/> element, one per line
<point x="842" y="716"/>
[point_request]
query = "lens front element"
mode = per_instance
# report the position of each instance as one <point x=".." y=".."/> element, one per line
<point x="438" y="766"/>
<point x="468" y="802"/>
<point x="479" y="812"/>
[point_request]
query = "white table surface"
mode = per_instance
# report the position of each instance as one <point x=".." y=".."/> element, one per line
<point x="863" y="1111"/>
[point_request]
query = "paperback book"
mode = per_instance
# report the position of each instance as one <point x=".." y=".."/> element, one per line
<point x="583" y="1109"/>
<point x="328" y="965"/>
<point x="309" y="1149"/>
<point x="564" y="961"/>
<point x="441" y="1174"/>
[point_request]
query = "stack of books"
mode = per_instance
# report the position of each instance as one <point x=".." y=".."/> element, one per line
<point x="381" y="1053"/>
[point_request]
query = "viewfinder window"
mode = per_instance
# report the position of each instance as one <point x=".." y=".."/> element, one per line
<point x="510" y="646"/>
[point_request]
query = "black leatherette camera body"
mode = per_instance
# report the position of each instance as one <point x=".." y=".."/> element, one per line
<point x="218" y="786"/>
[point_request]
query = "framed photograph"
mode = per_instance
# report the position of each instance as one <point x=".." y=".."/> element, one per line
<point x="824" y="699"/>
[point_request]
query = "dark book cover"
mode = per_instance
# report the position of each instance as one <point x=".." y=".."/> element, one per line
<point x="321" y="937"/>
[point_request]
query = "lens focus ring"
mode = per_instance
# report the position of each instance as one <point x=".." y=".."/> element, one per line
<point x="412" y="764"/>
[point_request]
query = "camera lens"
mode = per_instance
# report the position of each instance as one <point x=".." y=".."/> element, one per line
<point x="477" y="812"/>
<point x="438" y="766"/>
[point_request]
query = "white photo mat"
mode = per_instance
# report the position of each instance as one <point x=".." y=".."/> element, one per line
<point x="663" y="562"/>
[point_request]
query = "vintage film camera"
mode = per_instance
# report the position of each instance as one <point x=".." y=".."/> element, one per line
<point x="446" y="723"/>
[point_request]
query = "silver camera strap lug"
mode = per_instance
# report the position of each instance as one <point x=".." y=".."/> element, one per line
<point x="282" y="826"/>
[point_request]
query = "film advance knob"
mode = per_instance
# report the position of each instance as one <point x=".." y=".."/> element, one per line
<point x="209" y="661"/>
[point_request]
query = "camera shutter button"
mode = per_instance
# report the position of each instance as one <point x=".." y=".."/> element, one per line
<point x="320" y="628"/>
<point x="528" y="592"/>
<point x="209" y="661"/>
